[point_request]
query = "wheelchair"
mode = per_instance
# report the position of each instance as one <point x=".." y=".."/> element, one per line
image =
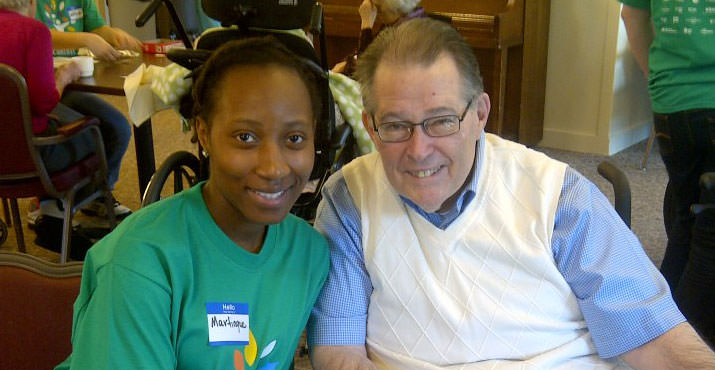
<point x="334" y="146"/>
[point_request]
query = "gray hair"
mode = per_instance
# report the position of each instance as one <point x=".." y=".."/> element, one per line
<point x="418" y="42"/>
<point x="14" y="4"/>
<point x="401" y="6"/>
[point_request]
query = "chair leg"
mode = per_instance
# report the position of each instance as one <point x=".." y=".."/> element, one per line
<point x="6" y="211"/>
<point x="648" y="147"/>
<point x="67" y="203"/>
<point x="18" y="226"/>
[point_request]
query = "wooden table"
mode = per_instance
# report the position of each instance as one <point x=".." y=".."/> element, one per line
<point x="108" y="78"/>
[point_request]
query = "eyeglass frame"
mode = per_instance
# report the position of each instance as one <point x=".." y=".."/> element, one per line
<point x="412" y="125"/>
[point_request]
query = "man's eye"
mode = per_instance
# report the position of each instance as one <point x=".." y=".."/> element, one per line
<point x="444" y="121"/>
<point x="246" y="137"/>
<point x="394" y="126"/>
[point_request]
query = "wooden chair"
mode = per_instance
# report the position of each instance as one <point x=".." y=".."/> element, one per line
<point x="22" y="171"/>
<point x="36" y="310"/>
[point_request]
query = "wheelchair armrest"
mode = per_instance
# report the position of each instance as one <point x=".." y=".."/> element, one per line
<point x="621" y="189"/>
<point x="189" y="59"/>
<point x="74" y="127"/>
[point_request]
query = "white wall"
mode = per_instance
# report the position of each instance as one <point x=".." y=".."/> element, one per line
<point x="596" y="100"/>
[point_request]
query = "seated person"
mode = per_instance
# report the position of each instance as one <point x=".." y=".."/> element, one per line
<point x="390" y="12"/>
<point x="455" y="249"/>
<point x="78" y="24"/>
<point x="26" y="45"/>
<point x="226" y="248"/>
<point x="75" y="24"/>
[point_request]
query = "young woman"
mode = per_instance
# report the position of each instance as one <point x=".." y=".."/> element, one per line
<point x="220" y="276"/>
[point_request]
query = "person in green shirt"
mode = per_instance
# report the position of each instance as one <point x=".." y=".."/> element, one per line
<point x="673" y="43"/>
<point x="220" y="276"/>
<point x="78" y="24"/>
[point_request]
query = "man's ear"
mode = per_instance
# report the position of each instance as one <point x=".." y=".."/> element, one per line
<point x="483" y="108"/>
<point x="367" y="123"/>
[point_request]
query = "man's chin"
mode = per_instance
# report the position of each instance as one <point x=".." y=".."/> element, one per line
<point x="427" y="205"/>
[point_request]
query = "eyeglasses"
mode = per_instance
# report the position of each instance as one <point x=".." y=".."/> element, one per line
<point x="399" y="131"/>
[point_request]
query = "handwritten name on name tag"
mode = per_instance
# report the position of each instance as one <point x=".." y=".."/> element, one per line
<point x="227" y="323"/>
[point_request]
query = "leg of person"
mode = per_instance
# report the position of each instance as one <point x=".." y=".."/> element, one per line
<point x="116" y="133"/>
<point x="695" y="293"/>
<point x="57" y="157"/>
<point x="675" y="141"/>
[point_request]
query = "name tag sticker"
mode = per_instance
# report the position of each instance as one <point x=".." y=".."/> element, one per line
<point x="75" y="13"/>
<point x="228" y="323"/>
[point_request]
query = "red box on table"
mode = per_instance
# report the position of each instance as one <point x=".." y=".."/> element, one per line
<point x="160" y="46"/>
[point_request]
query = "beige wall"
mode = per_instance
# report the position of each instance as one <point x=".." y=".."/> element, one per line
<point x="596" y="100"/>
<point x="122" y="14"/>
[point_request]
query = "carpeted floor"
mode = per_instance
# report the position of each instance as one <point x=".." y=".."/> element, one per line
<point x="647" y="186"/>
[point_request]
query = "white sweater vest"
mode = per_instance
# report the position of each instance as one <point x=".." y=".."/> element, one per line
<point x="484" y="293"/>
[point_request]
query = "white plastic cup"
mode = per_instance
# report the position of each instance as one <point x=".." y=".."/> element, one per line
<point x="86" y="65"/>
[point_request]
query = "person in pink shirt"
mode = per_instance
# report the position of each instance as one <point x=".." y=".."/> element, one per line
<point x="26" y="45"/>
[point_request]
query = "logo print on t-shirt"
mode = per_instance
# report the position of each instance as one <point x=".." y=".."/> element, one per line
<point x="248" y="356"/>
<point x="61" y="17"/>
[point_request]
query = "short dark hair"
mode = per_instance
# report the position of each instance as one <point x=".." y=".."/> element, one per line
<point x="259" y="51"/>
<point x="418" y="41"/>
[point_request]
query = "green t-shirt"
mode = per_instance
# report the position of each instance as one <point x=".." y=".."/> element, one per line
<point x="145" y="288"/>
<point x="682" y="56"/>
<point x="69" y="15"/>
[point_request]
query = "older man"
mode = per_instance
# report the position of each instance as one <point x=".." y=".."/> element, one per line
<point x="452" y="248"/>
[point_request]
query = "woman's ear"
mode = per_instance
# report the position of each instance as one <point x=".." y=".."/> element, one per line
<point x="202" y="132"/>
<point x="31" y="9"/>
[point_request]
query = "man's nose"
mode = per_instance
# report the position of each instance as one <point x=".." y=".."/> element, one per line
<point x="419" y="145"/>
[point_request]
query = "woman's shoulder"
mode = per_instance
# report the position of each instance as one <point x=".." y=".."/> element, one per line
<point x="299" y="231"/>
<point x="157" y="229"/>
<point x="296" y="224"/>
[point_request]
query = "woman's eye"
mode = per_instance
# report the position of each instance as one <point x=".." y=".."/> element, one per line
<point x="246" y="137"/>
<point x="296" y="139"/>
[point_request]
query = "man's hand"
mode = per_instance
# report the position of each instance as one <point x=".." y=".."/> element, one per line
<point x="101" y="48"/>
<point x="66" y="74"/>
<point x="368" y="13"/>
<point x="340" y="357"/>
<point x="678" y="348"/>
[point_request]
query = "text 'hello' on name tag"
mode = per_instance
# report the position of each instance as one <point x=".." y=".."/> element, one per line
<point x="228" y="323"/>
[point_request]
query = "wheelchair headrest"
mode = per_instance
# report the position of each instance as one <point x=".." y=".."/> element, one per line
<point x="297" y="44"/>
<point x="272" y="14"/>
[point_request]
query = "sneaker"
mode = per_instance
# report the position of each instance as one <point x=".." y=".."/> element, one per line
<point x="97" y="208"/>
<point x="46" y="207"/>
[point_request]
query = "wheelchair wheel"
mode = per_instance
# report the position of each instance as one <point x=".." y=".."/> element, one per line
<point x="184" y="167"/>
<point x="3" y="232"/>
